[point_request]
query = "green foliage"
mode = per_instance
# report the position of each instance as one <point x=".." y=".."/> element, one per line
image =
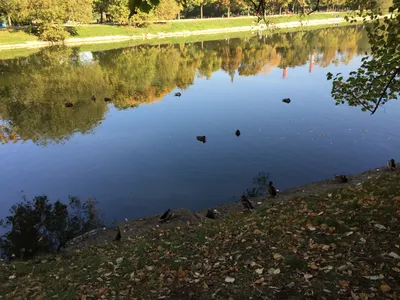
<point x="167" y="10"/>
<point x="378" y="79"/>
<point x="143" y="19"/>
<point x="52" y="32"/>
<point x="119" y="11"/>
<point x="79" y="10"/>
<point x="144" y="6"/>
<point x="39" y="226"/>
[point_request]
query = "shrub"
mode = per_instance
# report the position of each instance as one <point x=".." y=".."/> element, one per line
<point x="52" y="32"/>
<point x="142" y="19"/>
<point x="167" y="10"/>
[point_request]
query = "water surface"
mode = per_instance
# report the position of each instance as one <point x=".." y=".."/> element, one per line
<point x="139" y="155"/>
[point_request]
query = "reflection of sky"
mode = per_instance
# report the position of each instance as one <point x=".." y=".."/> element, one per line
<point x="85" y="57"/>
<point x="141" y="161"/>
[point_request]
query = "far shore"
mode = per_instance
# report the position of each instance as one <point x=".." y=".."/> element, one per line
<point x="182" y="216"/>
<point x="161" y="35"/>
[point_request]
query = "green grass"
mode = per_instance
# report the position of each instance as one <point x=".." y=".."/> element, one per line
<point x="14" y="37"/>
<point x="8" y="37"/>
<point x="317" y="247"/>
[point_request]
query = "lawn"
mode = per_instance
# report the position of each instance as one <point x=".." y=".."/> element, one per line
<point x="341" y="244"/>
<point x="15" y="37"/>
<point x="83" y="31"/>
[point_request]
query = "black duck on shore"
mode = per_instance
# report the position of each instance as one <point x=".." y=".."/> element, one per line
<point x="271" y="189"/>
<point x="246" y="204"/>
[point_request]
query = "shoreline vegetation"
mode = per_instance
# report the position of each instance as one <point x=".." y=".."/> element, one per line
<point x="91" y="34"/>
<point x="319" y="241"/>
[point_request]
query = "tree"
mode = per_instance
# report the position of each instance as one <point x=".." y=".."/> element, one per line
<point x="79" y="10"/>
<point x="11" y="9"/>
<point x="119" y="11"/>
<point x="202" y="3"/>
<point x="378" y="79"/>
<point x="101" y="6"/>
<point x="167" y="10"/>
<point x="141" y="5"/>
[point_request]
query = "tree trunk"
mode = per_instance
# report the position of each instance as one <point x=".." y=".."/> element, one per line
<point x="101" y="17"/>
<point x="201" y="11"/>
<point x="9" y="20"/>
<point x="280" y="10"/>
<point x="248" y="11"/>
<point x="229" y="11"/>
<point x="179" y="15"/>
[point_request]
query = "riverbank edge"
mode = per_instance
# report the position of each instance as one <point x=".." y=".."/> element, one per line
<point x="161" y="35"/>
<point x="182" y="216"/>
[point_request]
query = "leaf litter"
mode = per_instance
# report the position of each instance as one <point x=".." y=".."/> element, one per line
<point x="281" y="251"/>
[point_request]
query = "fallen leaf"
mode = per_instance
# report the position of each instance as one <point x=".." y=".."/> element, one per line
<point x="259" y="281"/>
<point x="311" y="228"/>
<point x="181" y="273"/>
<point x="308" y="276"/>
<point x="314" y="266"/>
<point x="325" y="247"/>
<point x="83" y="297"/>
<point x="119" y="260"/>
<point x="344" y="283"/>
<point x="396" y="270"/>
<point x="354" y="296"/>
<point x="230" y="279"/>
<point x="349" y="233"/>
<point x="12" y="277"/>
<point x="374" y="277"/>
<point x="276" y="271"/>
<point x="379" y="226"/>
<point x="260" y="271"/>
<point x="385" y="288"/>
<point x="394" y="255"/>
<point x="257" y="231"/>
<point x="277" y="256"/>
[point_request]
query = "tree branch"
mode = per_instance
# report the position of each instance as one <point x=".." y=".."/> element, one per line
<point x="315" y="9"/>
<point x="385" y="89"/>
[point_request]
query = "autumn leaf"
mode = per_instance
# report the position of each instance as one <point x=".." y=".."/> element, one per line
<point x="344" y="283"/>
<point x="277" y="256"/>
<point x="385" y="288"/>
<point x="230" y="279"/>
<point x="181" y="273"/>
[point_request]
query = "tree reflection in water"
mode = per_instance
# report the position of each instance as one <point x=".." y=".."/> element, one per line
<point x="33" y="89"/>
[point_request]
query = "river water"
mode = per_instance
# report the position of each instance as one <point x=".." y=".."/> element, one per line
<point x="138" y="154"/>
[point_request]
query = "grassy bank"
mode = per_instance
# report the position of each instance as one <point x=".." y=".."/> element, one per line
<point x="342" y="244"/>
<point x="85" y="31"/>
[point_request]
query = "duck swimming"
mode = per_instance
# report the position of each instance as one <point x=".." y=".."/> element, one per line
<point x="178" y="94"/>
<point x="286" y="100"/>
<point x="237" y="132"/>
<point x="201" y="138"/>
